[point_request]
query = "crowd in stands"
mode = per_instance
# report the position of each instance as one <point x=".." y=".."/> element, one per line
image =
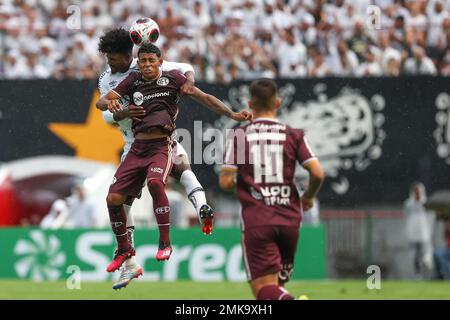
<point x="233" y="39"/>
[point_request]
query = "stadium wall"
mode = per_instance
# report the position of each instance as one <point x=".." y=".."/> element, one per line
<point x="374" y="136"/>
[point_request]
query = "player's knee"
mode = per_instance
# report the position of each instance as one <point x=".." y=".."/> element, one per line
<point x="115" y="199"/>
<point x="181" y="164"/>
<point x="155" y="187"/>
<point x="182" y="161"/>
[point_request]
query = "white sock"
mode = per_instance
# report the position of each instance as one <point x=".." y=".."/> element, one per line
<point x="194" y="189"/>
<point x="130" y="220"/>
<point x="130" y="262"/>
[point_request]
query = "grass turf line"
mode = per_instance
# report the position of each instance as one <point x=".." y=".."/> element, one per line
<point x="188" y="290"/>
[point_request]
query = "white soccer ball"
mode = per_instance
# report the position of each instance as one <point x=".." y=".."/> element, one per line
<point x="144" y="30"/>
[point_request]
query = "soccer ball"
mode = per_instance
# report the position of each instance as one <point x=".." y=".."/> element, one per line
<point x="144" y="30"/>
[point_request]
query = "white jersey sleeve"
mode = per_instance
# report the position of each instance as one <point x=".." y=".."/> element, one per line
<point x="107" y="82"/>
<point x="182" y="67"/>
<point x="108" y="116"/>
<point x="104" y="88"/>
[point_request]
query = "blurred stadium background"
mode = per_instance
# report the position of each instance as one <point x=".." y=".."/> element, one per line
<point x="367" y="80"/>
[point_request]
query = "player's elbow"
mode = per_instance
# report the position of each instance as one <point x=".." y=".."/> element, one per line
<point x="315" y="170"/>
<point x="317" y="173"/>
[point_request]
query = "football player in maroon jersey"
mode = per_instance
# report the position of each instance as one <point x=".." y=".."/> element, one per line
<point x="259" y="163"/>
<point x="150" y="156"/>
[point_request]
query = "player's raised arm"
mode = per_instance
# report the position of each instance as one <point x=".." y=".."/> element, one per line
<point x="218" y="106"/>
<point x="189" y="85"/>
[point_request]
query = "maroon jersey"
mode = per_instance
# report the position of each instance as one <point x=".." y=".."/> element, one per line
<point x="159" y="98"/>
<point x="265" y="153"/>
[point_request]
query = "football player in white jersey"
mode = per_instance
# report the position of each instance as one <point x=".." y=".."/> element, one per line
<point x="117" y="47"/>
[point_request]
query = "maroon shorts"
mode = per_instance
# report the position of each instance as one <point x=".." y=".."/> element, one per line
<point x="147" y="159"/>
<point x="268" y="250"/>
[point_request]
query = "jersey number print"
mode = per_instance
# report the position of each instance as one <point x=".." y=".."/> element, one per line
<point x="267" y="161"/>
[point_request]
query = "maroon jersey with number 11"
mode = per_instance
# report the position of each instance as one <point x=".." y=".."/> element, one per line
<point x="265" y="153"/>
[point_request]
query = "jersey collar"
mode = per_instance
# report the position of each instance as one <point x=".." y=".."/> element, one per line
<point x="266" y="119"/>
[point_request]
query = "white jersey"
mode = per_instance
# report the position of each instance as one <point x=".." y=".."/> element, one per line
<point x="109" y="81"/>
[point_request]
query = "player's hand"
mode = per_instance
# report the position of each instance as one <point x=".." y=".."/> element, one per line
<point x="114" y="106"/>
<point x="135" y="112"/>
<point x="242" y="116"/>
<point x="307" y="203"/>
<point x="187" y="88"/>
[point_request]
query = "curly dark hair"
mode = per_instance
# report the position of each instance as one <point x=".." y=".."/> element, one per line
<point x="115" y="41"/>
<point x="149" y="48"/>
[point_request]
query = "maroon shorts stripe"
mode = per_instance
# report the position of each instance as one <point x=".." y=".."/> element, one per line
<point x="168" y="168"/>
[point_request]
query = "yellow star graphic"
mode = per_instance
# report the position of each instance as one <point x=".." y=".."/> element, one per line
<point x="95" y="139"/>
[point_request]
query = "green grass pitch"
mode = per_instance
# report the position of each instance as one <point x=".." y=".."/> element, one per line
<point x="188" y="290"/>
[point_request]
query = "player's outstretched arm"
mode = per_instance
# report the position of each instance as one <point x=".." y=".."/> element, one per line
<point x="218" y="106"/>
<point x="187" y="70"/>
<point x="316" y="178"/>
<point x="188" y="87"/>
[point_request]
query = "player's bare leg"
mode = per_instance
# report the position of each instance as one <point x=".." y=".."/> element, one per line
<point x="130" y="269"/>
<point x="118" y="220"/>
<point x="194" y="190"/>
<point x="267" y="288"/>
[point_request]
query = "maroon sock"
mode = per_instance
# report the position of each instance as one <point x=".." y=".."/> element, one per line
<point x="273" y="292"/>
<point x="161" y="209"/>
<point x="118" y="219"/>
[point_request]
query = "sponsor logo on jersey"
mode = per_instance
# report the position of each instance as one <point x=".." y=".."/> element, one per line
<point x="277" y="195"/>
<point x="138" y="98"/>
<point x="157" y="95"/>
<point x="163" y="81"/>
<point x="255" y="194"/>
<point x="113" y="83"/>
